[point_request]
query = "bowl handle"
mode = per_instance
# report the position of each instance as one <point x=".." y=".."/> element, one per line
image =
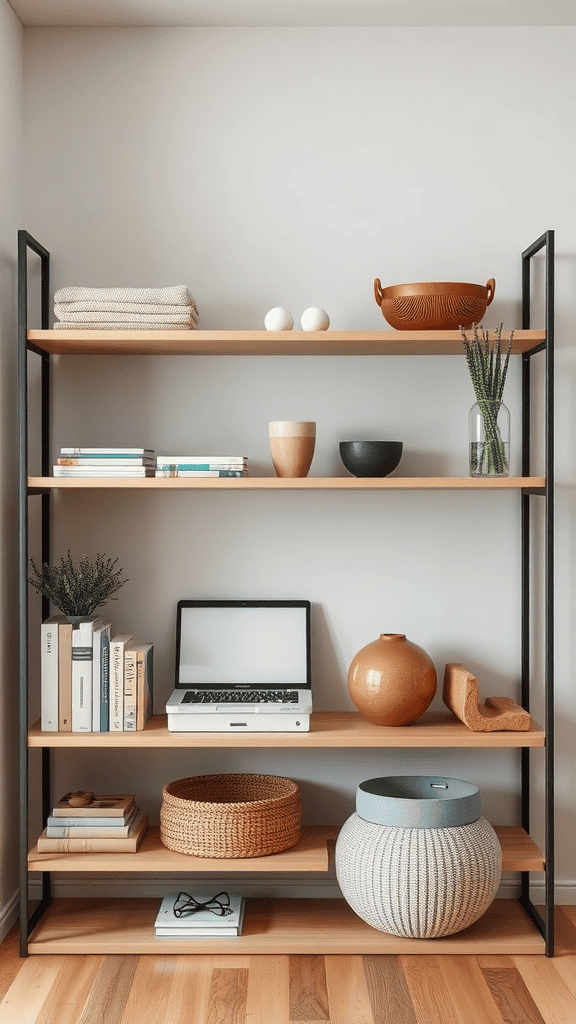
<point x="490" y="288"/>
<point x="378" y="291"/>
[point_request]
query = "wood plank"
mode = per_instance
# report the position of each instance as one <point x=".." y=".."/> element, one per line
<point x="29" y="990"/>
<point x="388" y="991"/>
<point x="309" y="855"/>
<point x="261" y="342"/>
<point x="110" y="991"/>
<point x="279" y="926"/>
<point x="149" y="996"/>
<point x="549" y="991"/>
<point x="69" y="993"/>
<point x="511" y="996"/>
<point x="519" y="851"/>
<point x="273" y="483"/>
<point x="469" y="991"/>
<point x="565" y="945"/>
<point x="328" y="729"/>
<point x="268" y="996"/>
<point x="308" y="992"/>
<point x="190" y="992"/>
<point x="348" y="996"/>
<point x="227" y="999"/>
<point x="10" y="962"/>
<point x="428" y="991"/>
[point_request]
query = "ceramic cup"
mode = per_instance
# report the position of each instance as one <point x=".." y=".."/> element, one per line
<point x="292" y="446"/>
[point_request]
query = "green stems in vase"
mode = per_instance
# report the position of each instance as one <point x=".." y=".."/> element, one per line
<point x="489" y="418"/>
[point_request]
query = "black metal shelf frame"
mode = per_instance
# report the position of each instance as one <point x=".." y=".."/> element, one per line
<point x="545" y="923"/>
<point x="546" y="241"/>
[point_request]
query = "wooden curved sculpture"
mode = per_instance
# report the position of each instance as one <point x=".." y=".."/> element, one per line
<point x="460" y="694"/>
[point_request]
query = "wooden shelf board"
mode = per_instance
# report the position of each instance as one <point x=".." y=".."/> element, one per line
<point x="272" y="483"/>
<point x="309" y="855"/>
<point x="329" y="729"/>
<point x="282" y="926"/>
<point x="260" y="343"/>
<point x="519" y="853"/>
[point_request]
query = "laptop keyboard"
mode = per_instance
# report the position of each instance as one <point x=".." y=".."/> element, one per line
<point x="240" y="697"/>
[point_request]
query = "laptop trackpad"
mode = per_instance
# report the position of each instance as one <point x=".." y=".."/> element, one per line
<point x="247" y="708"/>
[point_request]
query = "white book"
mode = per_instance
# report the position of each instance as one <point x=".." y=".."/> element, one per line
<point x="106" y="460"/>
<point x="168" y="472"/>
<point x="101" y="637"/>
<point x="201" y="923"/>
<point x="87" y="828"/>
<point x="82" y="661"/>
<point x="118" y="645"/>
<point x="107" y="451"/>
<point x="168" y="460"/>
<point x="102" y="471"/>
<point x="130" y="677"/>
<point x="49" y="673"/>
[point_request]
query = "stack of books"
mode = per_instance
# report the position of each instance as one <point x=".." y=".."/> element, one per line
<point x="201" y="465"/>
<point x="105" y="462"/>
<point x="202" y="923"/>
<point x="92" y="680"/>
<point x="109" y="824"/>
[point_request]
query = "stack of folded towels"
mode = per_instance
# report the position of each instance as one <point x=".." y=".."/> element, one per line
<point x="143" y="309"/>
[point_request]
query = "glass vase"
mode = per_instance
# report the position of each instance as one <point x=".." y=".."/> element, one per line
<point x="489" y="439"/>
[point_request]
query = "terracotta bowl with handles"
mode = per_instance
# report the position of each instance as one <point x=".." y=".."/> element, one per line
<point x="434" y="305"/>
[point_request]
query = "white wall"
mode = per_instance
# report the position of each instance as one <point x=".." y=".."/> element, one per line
<point x="11" y="209"/>
<point x="265" y="167"/>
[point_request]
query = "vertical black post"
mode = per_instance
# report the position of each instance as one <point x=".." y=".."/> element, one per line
<point x="549" y="569"/>
<point x="547" y="923"/>
<point x="525" y="571"/>
<point x="525" y="606"/>
<point x="26" y="241"/>
<point x="22" y="379"/>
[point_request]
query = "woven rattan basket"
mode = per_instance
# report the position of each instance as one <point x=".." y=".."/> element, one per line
<point x="230" y="815"/>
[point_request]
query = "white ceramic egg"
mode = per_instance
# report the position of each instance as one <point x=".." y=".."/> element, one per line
<point x="314" y="319"/>
<point x="278" y="319"/>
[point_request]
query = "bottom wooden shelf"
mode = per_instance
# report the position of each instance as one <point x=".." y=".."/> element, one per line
<point x="280" y="926"/>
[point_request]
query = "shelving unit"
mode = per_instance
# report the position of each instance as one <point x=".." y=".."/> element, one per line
<point x="282" y="926"/>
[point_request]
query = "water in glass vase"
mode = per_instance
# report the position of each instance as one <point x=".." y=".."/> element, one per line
<point x="489" y="439"/>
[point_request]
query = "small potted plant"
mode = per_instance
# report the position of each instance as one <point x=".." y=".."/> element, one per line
<point x="79" y="588"/>
<point x="489" y="417"/>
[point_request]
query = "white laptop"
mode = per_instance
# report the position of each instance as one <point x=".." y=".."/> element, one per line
<point x="242" y="666"/>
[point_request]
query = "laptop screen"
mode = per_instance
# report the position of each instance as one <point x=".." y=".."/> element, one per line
<point x="243" y="643"/>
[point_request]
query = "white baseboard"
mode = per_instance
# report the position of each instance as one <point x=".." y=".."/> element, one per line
<point x="8" y="915"/>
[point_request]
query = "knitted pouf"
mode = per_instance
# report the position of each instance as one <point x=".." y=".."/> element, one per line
<point x="418" y="882"/>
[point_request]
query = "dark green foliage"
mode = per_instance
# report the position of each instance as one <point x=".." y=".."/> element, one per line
<point x="484" y="359"/>
<point x="78" y="588"/>
<point x="488" y="376"/>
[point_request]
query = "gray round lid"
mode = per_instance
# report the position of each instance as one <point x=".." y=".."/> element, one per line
<point x="418" y="801"/>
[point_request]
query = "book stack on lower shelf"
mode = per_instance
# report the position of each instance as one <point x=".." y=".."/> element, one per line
<point x="197" y="916"/>
<point x="93" y="680"/>
<point x="201" y="465"/>
<point x="105" y="462"/>
<point x="109" y="824"/>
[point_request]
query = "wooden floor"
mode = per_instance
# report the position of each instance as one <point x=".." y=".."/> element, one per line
<point x="295" y="989"/>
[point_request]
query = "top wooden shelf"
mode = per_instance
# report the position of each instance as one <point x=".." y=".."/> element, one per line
<point x="328" y="729"/>
<point x="265" y="343"/>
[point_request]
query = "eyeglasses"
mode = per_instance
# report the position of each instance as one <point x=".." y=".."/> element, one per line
<point x="186" y="905"/>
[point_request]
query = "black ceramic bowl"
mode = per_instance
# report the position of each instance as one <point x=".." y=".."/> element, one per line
<point x="371" y="458"/>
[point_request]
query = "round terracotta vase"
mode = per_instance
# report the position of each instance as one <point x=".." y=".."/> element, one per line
<point x="392" y="681"/>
